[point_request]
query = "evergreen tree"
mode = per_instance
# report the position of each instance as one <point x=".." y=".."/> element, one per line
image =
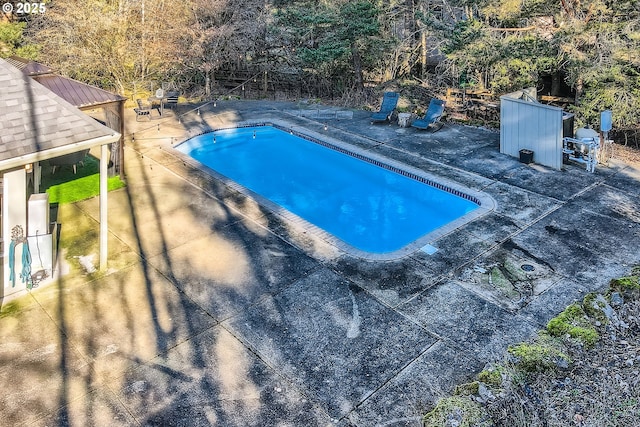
<point x="592" y="44"/>
<point x="12" y="39"/>
<point x="334" y="39"/>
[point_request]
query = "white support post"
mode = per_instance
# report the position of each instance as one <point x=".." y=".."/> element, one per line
<point x="14" y="213"/>
<point x="37" y="177"/>
<point x="104" y="162"/>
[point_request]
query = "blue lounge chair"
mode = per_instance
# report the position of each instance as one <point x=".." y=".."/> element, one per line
<point x="432" y="116"/>
<point x="388" y="107"/>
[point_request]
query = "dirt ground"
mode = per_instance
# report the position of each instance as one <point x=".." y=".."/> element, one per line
<point x="628" y="154"/>
<point x="599" y="387"/>
<point x="564" y="384"/>
<point x="555" y="381"/>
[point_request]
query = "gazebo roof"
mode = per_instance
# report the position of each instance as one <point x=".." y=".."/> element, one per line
<point x="38" y="124"/>
<point x="76" y="93"/>
<point x="28" y="66"/>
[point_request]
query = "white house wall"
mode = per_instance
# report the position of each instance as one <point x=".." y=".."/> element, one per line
<point x="533" y="126"/>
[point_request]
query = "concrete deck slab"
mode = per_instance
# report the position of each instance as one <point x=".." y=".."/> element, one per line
<point x="542" y="308"/>
<point x="467" y="321"/>
<point x="544" y="182"/>
<point x="392" y="282"/>
<point x="611" y="202"/>
<point x="147" y="219"/>
<point x="510" y="279"/>
<point x="98" y="407"/>
<point x="409" y="395"/>
<point x="40" y="371"/>
<point x="577" y="243"/>
<point x="75" y="225"/>
<point x="216" y="310"/>
<point x="214" y="380"/>
<point x="522" y="206"/>
<point x="331" y="339"/>
<point x="626" y="178"/>
<point x="493" y="227"/>
<point x="228" y="271"/>
<point x="143" y="315"/>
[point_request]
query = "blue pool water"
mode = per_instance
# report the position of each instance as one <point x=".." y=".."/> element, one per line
<point x="368" y="207"/>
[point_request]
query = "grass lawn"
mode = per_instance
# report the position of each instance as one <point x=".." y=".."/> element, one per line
<point x="66" y="187"/>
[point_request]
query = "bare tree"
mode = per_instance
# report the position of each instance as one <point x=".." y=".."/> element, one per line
<point x="223" y="35"/>
<point x="110" y="42"/>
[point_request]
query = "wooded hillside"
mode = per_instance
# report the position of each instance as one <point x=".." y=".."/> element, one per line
<point x="584" y="49"/>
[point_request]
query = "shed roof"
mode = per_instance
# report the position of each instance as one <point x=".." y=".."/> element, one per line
<point x="38" y="124"/>
<point x="76" y="93"/>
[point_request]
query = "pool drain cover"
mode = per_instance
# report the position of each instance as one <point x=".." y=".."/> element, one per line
<point x="429" y="250"/>
<point x="527" y="267"/>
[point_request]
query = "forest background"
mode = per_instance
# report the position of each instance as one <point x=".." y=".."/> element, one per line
<point x="588" y="50"/>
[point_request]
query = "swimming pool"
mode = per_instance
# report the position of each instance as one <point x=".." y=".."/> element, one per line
<point x="368" y="204"/>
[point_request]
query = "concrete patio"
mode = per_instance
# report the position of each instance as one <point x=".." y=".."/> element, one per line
<point x="217" y="311"/>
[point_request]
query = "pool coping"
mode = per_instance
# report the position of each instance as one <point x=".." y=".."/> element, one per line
<point x="484" y="201"/>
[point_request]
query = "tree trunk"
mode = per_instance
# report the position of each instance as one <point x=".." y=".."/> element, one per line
<point x="120" y="86"/>
<point x="555" y="84"/>
<point x="207" y="83"/>
<point x="579" y="89"/>
<point x="264" y="84"/>
<point x="423" y="53"/>
<point x="357" y="66"/>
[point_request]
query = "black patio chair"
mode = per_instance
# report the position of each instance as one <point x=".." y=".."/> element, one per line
<point x="73" y="160"/>
<point x="172" y="100"/>
<point x="142" y="110"/>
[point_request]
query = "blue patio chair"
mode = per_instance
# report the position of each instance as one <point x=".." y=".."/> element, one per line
<point x="388" y="107"/>
<point x="432" y="116"/>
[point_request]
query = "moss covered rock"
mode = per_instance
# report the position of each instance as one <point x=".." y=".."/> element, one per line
<point x="543" y="354"/>
<point x="629" y="286"/>
<point x="457" y="411"/>
<point x="573" y="321"/>
<point x="491" y="376"/>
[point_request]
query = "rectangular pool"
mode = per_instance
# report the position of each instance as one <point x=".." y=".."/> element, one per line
<point x="370" y="208"/>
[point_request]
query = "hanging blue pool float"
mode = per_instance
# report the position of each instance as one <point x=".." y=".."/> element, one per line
<point x="17" y="237"/>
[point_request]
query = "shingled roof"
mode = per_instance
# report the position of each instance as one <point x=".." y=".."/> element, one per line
<point x="37" y="124"/>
